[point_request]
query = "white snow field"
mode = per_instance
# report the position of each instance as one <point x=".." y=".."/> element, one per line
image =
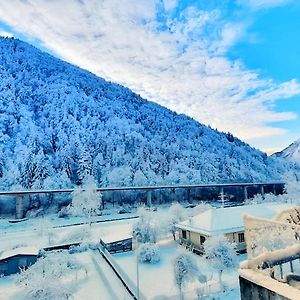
<point x="98" y="283"/>
<point x="157" y="280"/>
<point x="39" y="232"/>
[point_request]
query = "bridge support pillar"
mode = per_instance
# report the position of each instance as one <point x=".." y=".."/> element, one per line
<point x="149" y="198"/>
<point x="19" y="207"/>
<point x="245" y="193"/>
<point x="222" y="195"/>
<point x="188" y="191"/>
<point x="274" y="189"/>
<point x="173" y="194"/>
<point x="262" y="191"/>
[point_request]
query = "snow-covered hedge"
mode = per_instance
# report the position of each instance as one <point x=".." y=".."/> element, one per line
<point x="149" y="253"/>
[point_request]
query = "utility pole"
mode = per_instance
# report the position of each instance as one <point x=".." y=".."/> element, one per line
<point x="137" y="277"/>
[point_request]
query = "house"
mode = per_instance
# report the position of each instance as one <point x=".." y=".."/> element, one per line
<point x="228" y="221"/>
<point x="12" y="261"/>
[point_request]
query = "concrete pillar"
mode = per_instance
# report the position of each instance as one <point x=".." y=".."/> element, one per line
<point x="19" y="207"/>
<point x="245" y="193"/>
<point x="149" y="198"/>
<point x="274" y="189"/>
<point x="188" y="195"/>
<point x="262" y="191"/>
<point x="222" y="195"/>
<point x="173" y="194"/>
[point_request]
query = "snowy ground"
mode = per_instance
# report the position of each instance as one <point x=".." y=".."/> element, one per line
<point x="157" y="281"/>
<point x="98" y="283"/>
<point x="39" y="232"/>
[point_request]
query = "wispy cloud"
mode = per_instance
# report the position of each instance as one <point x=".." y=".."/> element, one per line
<point x="6" y="33"/>
<point x="261" y="4"/>
<point x="169" y="54"/>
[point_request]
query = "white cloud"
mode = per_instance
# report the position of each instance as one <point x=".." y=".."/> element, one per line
<point x="260" y="4"/>
<point x="176" y="61"/>
<point x="6" y="33"/>
<point x="170" y="4"/>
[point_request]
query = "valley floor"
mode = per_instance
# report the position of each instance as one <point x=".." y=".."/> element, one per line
<point x="156" y="281"/>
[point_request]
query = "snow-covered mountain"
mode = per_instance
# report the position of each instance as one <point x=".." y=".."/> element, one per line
<point x="292" y="152"/>
<point x="59" y="123"/>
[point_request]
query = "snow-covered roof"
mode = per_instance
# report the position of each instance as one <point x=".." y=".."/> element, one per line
<point x="229" y="219"/>
<point x="115" y="237"/>
<point x="19" y="251"/>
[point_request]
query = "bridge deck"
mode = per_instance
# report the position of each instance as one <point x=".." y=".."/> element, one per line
<point x="142" y="188"/>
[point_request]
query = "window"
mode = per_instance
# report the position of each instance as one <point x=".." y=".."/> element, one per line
<point x="202" y="239"/>
<point x="184" y="234"/>
<point x="241" y="237"/>
<point x="3" y="268"/>
<point x="22" y="262"/>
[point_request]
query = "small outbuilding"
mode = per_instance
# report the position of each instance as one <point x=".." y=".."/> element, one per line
<point x="226" y="221"/>
<point x="117" y="243"/>
<point x="13" y="260"/>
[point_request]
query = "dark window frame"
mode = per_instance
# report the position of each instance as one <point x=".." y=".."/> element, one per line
<point x="241" y="237"/>
<point x="202" y="239"/>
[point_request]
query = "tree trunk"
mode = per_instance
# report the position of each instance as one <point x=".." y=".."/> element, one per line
<point x="220" y="280"/>
<point x="181" y="294"/>
<point x="90" y="221"/>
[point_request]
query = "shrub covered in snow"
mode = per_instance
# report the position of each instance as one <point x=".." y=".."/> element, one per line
<point x="50" y="278"/>
<point x="148" y="253"/>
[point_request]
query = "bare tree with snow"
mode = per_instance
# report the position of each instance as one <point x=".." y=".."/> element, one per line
<point x="176" y="213"/>
<point x="146" y="230"/>
<point x="86" y="201"/>
<point x="185" y="270"/>
<point x="221" y="253"/>
<point x="292" y="189"/>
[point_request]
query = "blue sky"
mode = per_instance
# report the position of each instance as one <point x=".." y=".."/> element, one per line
<point x="233" y="65"/>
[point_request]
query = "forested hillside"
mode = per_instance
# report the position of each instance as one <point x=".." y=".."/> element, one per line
<point x="60" y="123"/>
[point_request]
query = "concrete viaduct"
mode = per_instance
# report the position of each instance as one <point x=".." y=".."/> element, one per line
<point x="19" y="195"/>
